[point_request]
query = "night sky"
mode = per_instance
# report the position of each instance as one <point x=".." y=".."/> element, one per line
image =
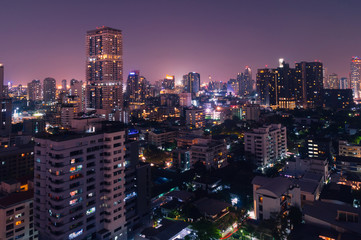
<point x="213" y="37"/>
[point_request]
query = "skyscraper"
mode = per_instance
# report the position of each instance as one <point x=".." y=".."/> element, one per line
<point x="63" y="85"/>
<point x="168" y="82"/>
<point x="104" y="69"/>
<point x="355" y="76"/>
<point x="5" y="107"/>
<point x="245" y="82"/>
<point x="1" y="80"/>
<point x="333" y="81"/>
<point x="266" y="87"/>
<point x="344" y="83"/>
<point x="49" y="90"/>
<point x="137" y="87"/>
<point x="192" y="83"/>
<point x="311" y="79"/>
<point x="34" y="91"/>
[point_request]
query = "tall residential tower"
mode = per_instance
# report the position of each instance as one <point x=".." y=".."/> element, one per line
<point x="104" y="70"/>
<point x="355" y="76"/>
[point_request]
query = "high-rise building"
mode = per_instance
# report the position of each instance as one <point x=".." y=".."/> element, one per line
<point x="266" y="87"/>
<point x="355" y="77"/>
<point x="192" y="83"/>
<point x="311" y="79"/>
<point x="245" y="82"/>
<point x="104" y="70"/>
<point x="49" y="90"/>
<point x="287" y="87"/>
<point x="77" y="91"/>
<point x="80" y="182"/>
<point x="344" y="83"/>
<point x="333" y="81"/>
<point x="137" y="87"/>
<point x="63" y="85"/>
<point x="168" y="82"/>
<point x="266" y="145"/>
<point x="1" y="80"/>
<point x="35" y="91"/>
<point x="5" y="107"/>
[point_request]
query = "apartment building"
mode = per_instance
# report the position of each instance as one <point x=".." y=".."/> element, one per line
<point x="267" y="144"/>
<point x="79" y="182"/>
<point x="349" y="150"/>
<point x="212" y="153"/>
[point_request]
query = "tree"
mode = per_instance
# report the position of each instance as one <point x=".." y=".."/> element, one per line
<point x="206" y="230"/>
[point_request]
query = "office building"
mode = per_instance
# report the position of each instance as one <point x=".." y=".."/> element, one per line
<point x="333" y="81"/>
<point x="35" y="91"/>
<point x="344" y="84"/>
<point x="104" y="70"/>
<point x="274" y="196"/>
<point x="16" y="211"/>
<point x="266" y="87"/>
<point x="266" y="145"/>
<point x="49" y="90"/>
<point x="168" y="83"/>
<point x="355" y="77"/>
<point x="79" y="182"/>
<point x="137" y="87"/>
<point x="192" y="83"/>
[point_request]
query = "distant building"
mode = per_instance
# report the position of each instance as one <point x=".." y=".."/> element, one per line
<point x="104" y="71"/>
<point x="185" y="99"/>
<point x="344" y="84"/>
<point x="160" y="137"/>
<point x="77" y="90"/>
<point x="252" y="112"/>
<point x="274" y="195"/>
<point x="63" y="85"/>
<point x="333" y="81"/>
<point x="168" y="82"/>
<point x="267" y="144"/>
<point x="137" y="87"/>
<point x="67" y="113"/>
<point x="5" y="108"/>
<point x="192" y="83"/>
<point x="35" y="91"/>
<point x="355" y="77"/>
<point x="49" y="90"/>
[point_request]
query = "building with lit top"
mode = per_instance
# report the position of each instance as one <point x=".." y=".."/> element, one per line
<point x="104" y="70"/>
<point x="355" y="77"/>
<point x="168" y="82"/>
<point x="16" y="211"/>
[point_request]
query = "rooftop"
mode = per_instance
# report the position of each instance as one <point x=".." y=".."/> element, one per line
<point x="15" y="198"/>
<point x="211" y="206"/>
<point x="277" y="185"/>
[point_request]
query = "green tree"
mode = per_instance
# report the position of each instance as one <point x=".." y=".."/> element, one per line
<point x="206" y="230"/>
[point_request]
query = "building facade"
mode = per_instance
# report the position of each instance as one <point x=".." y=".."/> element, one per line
<point x="104" y="70"/>
<point x="267" y="144"/>
<point x="35" y="91"/>
<point x="355" y="76"/>
<point x="49" y="90"/>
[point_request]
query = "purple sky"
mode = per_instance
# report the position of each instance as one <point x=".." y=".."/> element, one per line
<point x="213" y="37"/>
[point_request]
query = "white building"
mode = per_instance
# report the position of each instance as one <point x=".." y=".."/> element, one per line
<point x="16" y="211"/>
<point x="349" y="149"/>
<point x="266" y="144"/>
<point x="274" y="195"/>
<point x="79" y="183"/>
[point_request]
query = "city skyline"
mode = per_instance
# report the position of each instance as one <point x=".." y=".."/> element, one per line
<point x="185" y="42"/>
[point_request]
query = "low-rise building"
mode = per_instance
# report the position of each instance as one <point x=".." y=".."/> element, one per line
<point x="159" y="137"/>
<point x="212" y="153"/>
<point x="274" y="195"/>
<point x="16" y="211"/>
<point x="349" y="149"/>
